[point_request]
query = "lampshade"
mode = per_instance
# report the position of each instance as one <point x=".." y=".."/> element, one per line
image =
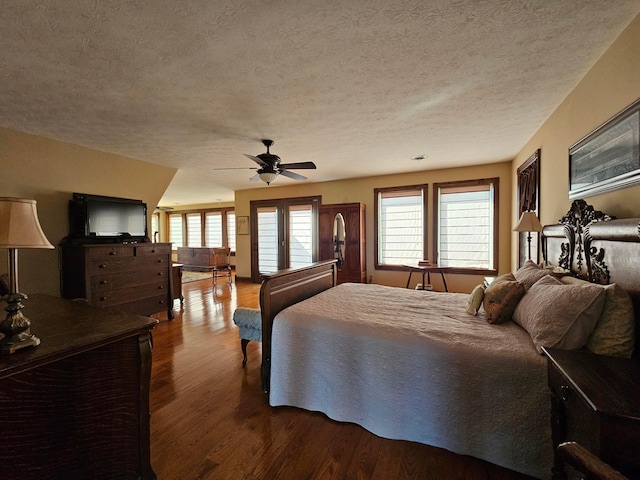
<point x="268" y="177"/>
<point x="19" y="225"/>
<point x="528" y="223"/>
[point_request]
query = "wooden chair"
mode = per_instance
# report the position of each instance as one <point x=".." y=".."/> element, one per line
<point x="222" y="263"/>
<point x="587" y="463"/>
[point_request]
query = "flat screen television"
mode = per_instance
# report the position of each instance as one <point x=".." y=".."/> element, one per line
<point x="107" y="219"/>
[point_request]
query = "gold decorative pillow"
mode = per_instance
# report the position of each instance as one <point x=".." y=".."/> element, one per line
<point x="475" y="300"/>
<point x="501" y="298"/>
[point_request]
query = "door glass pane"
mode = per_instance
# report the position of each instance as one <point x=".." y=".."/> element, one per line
<point x="300" y="236"/>
<point x="267" y="239"/>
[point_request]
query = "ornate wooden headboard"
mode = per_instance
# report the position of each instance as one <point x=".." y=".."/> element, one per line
<point x="598" y="248"/>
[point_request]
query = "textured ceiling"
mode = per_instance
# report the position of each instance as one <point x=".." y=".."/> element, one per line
<point x="358" y="87"/>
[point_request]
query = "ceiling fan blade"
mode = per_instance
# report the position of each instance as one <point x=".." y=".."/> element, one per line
<point x="289" y="174"/>
<point x="299" y="166"/>
<point x="236" y="168"/>
<point x="259" y="161"/>
<point x="255" y="178"/>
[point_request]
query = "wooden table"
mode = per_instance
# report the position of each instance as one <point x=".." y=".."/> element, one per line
<point x="427" y="270"/>
<point x="77" y="406"/>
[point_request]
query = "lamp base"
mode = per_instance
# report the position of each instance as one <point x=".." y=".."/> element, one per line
<point x="16" y="342"/>
<point x="15" y="327"/>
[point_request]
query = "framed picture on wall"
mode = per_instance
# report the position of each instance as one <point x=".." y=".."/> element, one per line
<point x="608" y="158"/>
<point x="242" y="225"/>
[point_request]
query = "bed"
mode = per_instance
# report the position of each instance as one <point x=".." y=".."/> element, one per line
<point x="415" y="365"/>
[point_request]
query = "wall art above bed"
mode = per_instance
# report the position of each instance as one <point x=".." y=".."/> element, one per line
<point x="609" y="157"/>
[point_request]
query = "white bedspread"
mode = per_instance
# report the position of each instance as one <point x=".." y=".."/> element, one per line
<point x="413" y="365"/>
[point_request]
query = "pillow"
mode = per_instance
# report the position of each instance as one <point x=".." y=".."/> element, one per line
<point x="530" y="273"/>
<point x="501" y="298"/>
<point x="614" y="333"/>
<point x="559" y="315"/>
<point x="475" y="300"/>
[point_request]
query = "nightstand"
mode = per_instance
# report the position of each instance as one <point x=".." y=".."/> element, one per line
<point x="595" y="401"/>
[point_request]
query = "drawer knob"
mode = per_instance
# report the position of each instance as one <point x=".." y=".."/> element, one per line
<point x="113" y="252"/>
<point x="102" y="265"/>
<point x="103" y="282"/>
<point x="161" y="287"/>
<point x="102" y="299"/>
<point x="161" y="273"/>
<point x="565" y="392"/>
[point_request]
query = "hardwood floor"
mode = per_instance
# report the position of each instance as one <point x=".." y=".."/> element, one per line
<point x="210" y="419"/>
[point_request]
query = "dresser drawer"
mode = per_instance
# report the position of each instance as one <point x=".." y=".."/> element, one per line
<point x="146" y="306"/>
<point x="109" y="281"/>
<point x="124" y="294"/>
<point x="152" y="249"/>
<point x="109" y="251"/>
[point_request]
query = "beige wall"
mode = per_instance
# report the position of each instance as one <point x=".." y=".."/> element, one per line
<point x="49" y="172"/>
<point x="361" y="190"/>
<point x="612" y="84"/>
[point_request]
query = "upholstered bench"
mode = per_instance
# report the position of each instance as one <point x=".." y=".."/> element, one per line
<point x="249" y="320"/>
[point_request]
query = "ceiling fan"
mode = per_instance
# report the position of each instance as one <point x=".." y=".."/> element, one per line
<point x="270" y="166"/>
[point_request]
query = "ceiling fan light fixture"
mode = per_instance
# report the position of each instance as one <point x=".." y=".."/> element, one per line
<point x="267" y="177"/>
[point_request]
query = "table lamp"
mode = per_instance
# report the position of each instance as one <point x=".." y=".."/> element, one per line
<point x="19" y="228"/>
<point x="528" y="223"/>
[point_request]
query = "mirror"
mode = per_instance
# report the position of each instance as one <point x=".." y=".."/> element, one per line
<point x="339" y="235"/>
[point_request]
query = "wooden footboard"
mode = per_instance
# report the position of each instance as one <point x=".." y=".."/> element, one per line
<point x="284" y="288"/>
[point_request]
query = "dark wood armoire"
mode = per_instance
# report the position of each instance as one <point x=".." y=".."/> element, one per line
<point x="354" y="267"/>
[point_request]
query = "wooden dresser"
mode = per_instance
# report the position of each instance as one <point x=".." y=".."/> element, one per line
<point x="134" y="277"/>
<point x="354" y="268"/>
<point x="77" y="406"/>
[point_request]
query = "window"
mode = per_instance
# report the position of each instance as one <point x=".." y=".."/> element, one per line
<point x="213" y="229"/>
<point x="203" y="228"/>
<point x="194" y="230"/>
<point x="400" y="225"/>
<point x="175" y="230"/>
<point x="466" y="235"/>
<point x="231" y="230"/>
<point x="155" y="227"/>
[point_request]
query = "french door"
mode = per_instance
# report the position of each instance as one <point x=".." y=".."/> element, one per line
<point x="283" y="234"/>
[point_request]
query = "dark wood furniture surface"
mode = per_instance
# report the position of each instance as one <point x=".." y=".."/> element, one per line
<point x="77" y="406"/>
<point x="427" y="270"/>
<point x="136" y="278"/>
<point x="284" y="288"/>
<point x="176" y="282"/>
<point x="194" y="258"/>
<point x="596" y="403"/>
<point x="354" y="268"/>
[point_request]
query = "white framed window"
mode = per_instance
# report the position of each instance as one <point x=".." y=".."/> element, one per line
<point x="467" y="230"/>
<point x="400" y="225"/>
